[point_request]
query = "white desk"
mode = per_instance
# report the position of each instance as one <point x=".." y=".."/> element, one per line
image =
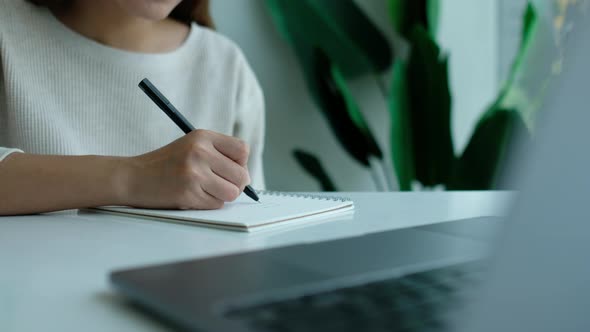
<point x="54" y="267"/>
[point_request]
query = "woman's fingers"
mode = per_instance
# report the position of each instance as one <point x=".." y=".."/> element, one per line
<point x="220" y="188"/>
<point x="208" y="201"/>
<point x="233" y="148"/>
<point x="230" y="171"/>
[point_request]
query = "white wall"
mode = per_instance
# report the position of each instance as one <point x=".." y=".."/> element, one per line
<point x="468" y="30"/>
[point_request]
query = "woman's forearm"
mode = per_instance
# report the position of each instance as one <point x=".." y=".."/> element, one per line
<point x="42" y="183"/>
<point x="200" y="170"/>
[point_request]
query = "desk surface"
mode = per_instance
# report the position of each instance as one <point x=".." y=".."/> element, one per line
<point x="55" y="266"/>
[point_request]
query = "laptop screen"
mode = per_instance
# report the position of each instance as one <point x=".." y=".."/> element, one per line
<point x="540" y="274"/>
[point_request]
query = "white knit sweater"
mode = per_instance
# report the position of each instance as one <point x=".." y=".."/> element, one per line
<point x="64" y="94"/>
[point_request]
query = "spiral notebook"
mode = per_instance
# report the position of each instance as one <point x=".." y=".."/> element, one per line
<point x="275" y="209"/>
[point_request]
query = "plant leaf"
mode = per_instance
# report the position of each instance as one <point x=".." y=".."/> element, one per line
<point x="480" y="163"/>
<point x="312" y="165"/>
<point x="530" y="23"/>
<point x="339" y="27"/>
<point x="401" y="128"/>
<point x="327" y="52"/>
<point x="433" y="13"/>
<point x="406" y="14"/>
<point x="535" y="67"/>
<point x="429" y="110"/>
<point x="530" y="19"/>
<point x="340" y="109"/>
<point x="481" y="160"/>
<point x="329" y="91"/>
<point x="352" y="108"/>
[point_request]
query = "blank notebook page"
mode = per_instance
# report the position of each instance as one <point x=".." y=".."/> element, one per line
<point x="246" y="214"/>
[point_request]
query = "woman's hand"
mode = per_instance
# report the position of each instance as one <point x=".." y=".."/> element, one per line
<point x="201" y="170"/>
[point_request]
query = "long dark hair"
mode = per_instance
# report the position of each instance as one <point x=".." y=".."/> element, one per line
<point x="187" y="11"/>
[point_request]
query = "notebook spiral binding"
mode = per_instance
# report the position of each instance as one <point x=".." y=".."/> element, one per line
<point x="310" y="196"/>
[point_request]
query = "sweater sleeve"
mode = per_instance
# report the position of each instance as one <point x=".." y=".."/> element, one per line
<point x="250" y="121"/>
<point x="4" y="152"/>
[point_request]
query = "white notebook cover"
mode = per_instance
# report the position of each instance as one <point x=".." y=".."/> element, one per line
<point x="244" y="214"/>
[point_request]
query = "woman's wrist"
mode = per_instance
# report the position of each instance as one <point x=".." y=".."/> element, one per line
<point x="122" y="171"/>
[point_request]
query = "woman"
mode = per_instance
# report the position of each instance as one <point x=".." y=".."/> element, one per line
<point x="69" y="99"/>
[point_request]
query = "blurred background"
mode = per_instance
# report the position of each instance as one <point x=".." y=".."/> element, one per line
<point x="481" y="38"/>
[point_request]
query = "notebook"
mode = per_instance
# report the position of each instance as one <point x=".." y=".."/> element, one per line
<point x="244" y="214"/>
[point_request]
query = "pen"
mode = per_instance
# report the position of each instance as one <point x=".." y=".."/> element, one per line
<point x="158" y="98"/>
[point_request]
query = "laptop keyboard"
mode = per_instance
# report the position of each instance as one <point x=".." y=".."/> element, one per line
<point x="417" y="302"/>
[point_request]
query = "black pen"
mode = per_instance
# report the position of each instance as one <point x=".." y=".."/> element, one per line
<point x="157" y="97"/>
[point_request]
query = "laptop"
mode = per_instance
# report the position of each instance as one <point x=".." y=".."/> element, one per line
<point x="532" y="276"/>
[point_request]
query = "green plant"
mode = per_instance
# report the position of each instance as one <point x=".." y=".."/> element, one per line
<point x="313" y="166"/>
<point x="335" y="41"/>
